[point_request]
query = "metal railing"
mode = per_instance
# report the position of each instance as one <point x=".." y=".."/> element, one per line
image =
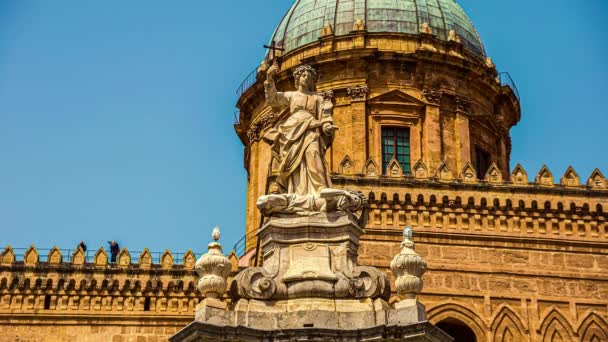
<point x="66" y="254"/>
<point x="247" y="82"/>
<point x="240" y="247"/>
<point x="506" y="80"/>
<point x="237" y="117"/>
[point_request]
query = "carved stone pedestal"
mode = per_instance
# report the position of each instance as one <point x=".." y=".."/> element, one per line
<point x="310" y="257"/>
<point x="204" y="332"/>
<point x="310" y="287"/>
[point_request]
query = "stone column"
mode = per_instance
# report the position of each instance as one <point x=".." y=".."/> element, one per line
<point x="463" y="138"/>
<point x="358" y="134"/>
<point x="431" y="130"/>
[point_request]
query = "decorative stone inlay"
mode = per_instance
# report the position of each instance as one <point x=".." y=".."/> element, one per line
<point x="408" y="268"/>
<point x="357" y="93"/>
<point x="213" y="267"/>
<point x="432" y="95"/>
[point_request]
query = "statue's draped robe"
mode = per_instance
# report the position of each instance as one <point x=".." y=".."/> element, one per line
<point x="299" y="142"/>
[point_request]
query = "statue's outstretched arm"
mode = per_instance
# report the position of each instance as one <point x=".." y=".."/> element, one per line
<point x="273" y="97"/>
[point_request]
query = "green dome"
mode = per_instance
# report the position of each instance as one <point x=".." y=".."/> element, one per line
<point x="303" y="22"/>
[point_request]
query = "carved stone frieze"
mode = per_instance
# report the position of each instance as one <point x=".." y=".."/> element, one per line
<point x="462" y="104"/>
<point x="432" y="96"/>
<point x="327" y="95"/>
<point x="358" y="92"/>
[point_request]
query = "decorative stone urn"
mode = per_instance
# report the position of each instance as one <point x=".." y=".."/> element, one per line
<point x="408" y="268"/>
<point x="213" y="267"/>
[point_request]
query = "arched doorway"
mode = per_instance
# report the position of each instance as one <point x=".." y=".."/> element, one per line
<point x="457" y="329"/>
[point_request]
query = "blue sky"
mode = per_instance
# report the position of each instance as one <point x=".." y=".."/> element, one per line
<point x="116" y="116"/>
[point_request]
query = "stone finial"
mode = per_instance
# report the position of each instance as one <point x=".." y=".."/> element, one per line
<point x="359" y="25"/>
<point x="420" y="170"/>
<point x="570" y="178"/>
<point x="408" y="268"/>
<point x="597" y="180"/>
<point x="327" y="30"/>
<point x="31" y="256"/>
<point x="544" y="177"/>
<point x="145" y="259"/>
<point x="7" y="257"/>
<point x="189" y="260"/>
<point x="519" y="175"/>
<point x="346" y="166"/>
<point x="166" y="260"/>
<point x="55" y="257"/>
<point x="444" y="173"/>
<point x="124" y="258"/>
<point x="489" y="62"/>
<point x="468" y="174"/>
<point x="370" y="169"/>
<point x="213" y="267"/>
<point x="394" y="170"/>
<point x="453" y="36"/>
<point x="101" y="258"/>
<point x="426" y="28"/>
<point x="493" y="175"/>
<point x="78" y="257"/>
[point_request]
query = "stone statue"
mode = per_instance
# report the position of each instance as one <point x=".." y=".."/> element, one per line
<point x="298" y="146"/>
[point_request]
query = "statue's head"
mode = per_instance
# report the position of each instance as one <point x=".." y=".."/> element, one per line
<point x="305" y="76"/>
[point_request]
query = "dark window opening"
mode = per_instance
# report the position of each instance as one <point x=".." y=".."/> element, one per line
<point x="396" y="145"/>
<point x="458" y="330"/>
<point x="47" y="302"/>
<point x="482" y="162"/>
<point x="147" y="304"/>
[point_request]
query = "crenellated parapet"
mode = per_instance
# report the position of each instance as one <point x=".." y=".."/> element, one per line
<point x="79" y="259"/>
<point x="500" y="205"/>
<point x="50" y="281"/>
<point x="468" y="175"/>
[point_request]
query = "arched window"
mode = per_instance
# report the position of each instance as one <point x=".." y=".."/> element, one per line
<point x="457" y="329"/>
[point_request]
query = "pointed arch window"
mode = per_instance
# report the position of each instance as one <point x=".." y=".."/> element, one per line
<point x="396" y="144"/>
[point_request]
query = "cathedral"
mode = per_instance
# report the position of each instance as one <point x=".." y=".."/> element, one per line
<point x="424" y="120"/>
